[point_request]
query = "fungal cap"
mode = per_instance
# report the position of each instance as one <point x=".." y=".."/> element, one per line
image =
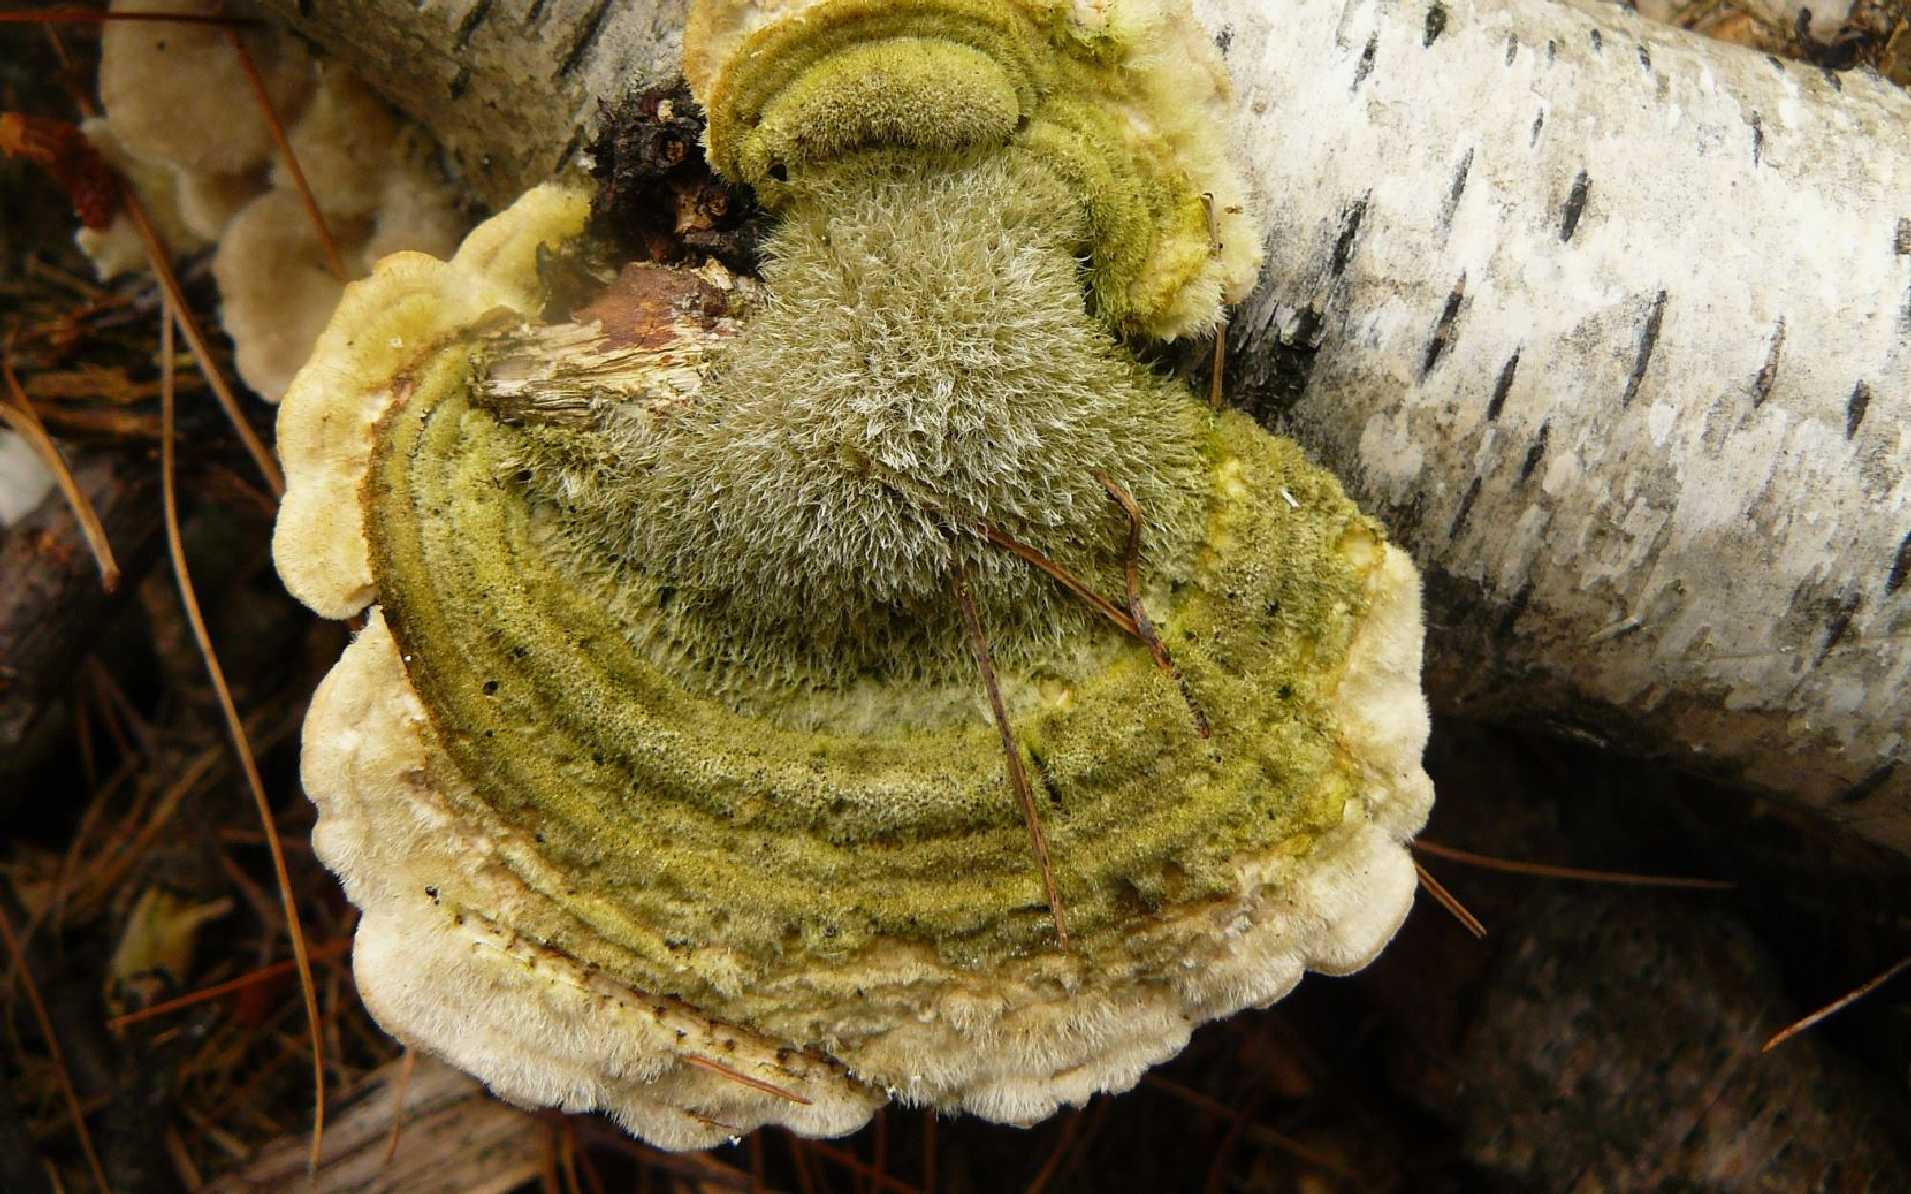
<point x="411" y="302"/>
<point x="1127" y="100"/>
<point x="889" y="943"/>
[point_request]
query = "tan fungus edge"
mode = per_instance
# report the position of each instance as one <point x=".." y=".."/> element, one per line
<point x="382" y="325"/>
<point x="1013" y="1046"/>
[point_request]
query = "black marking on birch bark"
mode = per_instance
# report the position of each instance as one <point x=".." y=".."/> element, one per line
<point x="460" y="82"/>
<point x="1598" y="42"/>
<point x="1648" y="340"/>
<point x="1536" y="453"/>
<point x="1900" y="567"/>
<point x="1645" y="59"/>
<point x="1466" y="509"/>
<point x="1512" y="48"/>
<point x="593" y="28"/>
<point x="1365" y="66"/>
<point x="1575" y="205"/>
<point x="534" y="15"/>
<point x="1552" y="50"/>
<point x="1843" y="610"/>
<point x="1856" y="406"/>
<point x="1901" y="243"/>
<point x="1268" y="381"/>
<point x="1768" y="372"/>
<point x="1349" y="229"/>
<point x="1454" y="191"/>
<point x="1539" y="122"/>
<point x="1778" y="64"/>
<point x="469" y="25"/>
<point x="1502" y="387"/>
<point x="1831" y="76"/>
<point x="1867" y="787"/>
<point x="1443" y="330"/>
<point x="1514" y="609"/>
<point x="571" y="147"/>
<point x="1758" y="137"/>
<point x="1436" y="23"/>
<point x="1224" y="40"/>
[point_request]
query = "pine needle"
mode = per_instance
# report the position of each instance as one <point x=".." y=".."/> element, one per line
<point x="157" y="257"/>
<point x="241" y="745"/>
<point x="1548" y="871"/>
<point x="1144" y="627"/>
<point x="737" y="1076"/>
<point x="1068" y="580"/>
<point x="20" y="415"/>
<point x="65" y="1076"/>
<point x="284" y="143"/>
<point x="250" y="978"/>
<point x="405" y="1068"/>
<point x="1836" y="1005"/>
<point x="1449" y="901"/>
<point x="1018" y="777"/>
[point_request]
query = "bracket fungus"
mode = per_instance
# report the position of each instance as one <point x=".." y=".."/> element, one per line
<point x="870" y="682"/>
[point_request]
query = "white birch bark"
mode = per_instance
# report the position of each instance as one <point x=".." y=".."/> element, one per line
<point x="1613" y="326"/>
<point x="1610" y="323"/>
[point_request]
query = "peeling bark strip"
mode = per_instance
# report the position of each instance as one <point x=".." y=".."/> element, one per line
<point x="1634" y="570"/>
<point x="1633" y="520"/>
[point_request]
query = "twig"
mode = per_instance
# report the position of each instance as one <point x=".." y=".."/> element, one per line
<point x="241" y="745"/>
<point x="1018" y="777"/>
<point x="1546" y="870"/>
<point x="20" y="415"/>
<point x="65" y="1076"/>
<point x="1837" y="1005"/>
<point x="1447" y="900"/>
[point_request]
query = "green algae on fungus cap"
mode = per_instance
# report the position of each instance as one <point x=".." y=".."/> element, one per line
<point x="633" y="830"/>
<point x="1127" y="99"/>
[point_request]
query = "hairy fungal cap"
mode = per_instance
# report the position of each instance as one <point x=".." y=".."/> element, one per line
<point x="657" y="770"/>
<point x="922" y="368"/>
<point x="1126" y="100"/>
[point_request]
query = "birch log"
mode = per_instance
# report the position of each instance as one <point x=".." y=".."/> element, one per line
<point x="1612" y="324"/>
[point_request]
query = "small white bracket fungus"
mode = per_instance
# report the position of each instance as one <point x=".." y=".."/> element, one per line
<point x="183" y="127"/>
<point x="652" y="807"/>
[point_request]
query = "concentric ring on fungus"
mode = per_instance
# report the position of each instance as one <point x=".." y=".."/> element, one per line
<point x="653" y="805"/>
